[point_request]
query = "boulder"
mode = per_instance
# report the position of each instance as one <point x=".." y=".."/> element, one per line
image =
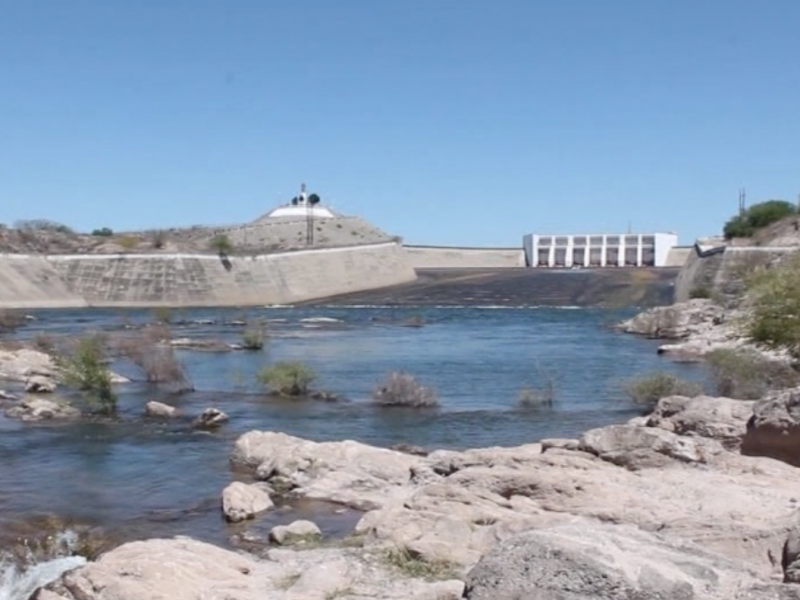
<point x="32" y="408"/>
<point x="722" y="419"/>
<point x="603" y="562"/>
<point x="158" y="409"/>
<point x="676" y="321"/>
<point x="790" y="557"/>
<point x="295" y="532"/>
<point x="210" y="418"/>
<point x="242" y="501"/>
<point x="645" y="447"/>
<point x="19" y="365"/>
<point x="39" y="384"/>
<point x="347" y="472"/>
<point x="774" y="428"/>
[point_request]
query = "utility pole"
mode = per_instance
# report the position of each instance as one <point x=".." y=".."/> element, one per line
<point x="742" y="204"/>
<point x="309" y="216"/>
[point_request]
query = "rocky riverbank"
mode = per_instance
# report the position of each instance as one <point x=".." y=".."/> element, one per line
<point x="667" y="506"/>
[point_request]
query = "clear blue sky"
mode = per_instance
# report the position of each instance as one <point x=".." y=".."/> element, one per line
<point x="443" y="121"/>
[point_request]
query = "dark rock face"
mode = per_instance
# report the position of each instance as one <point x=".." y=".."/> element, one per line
<point x="774" y="428"/>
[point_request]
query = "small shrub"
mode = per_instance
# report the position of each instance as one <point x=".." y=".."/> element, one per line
<point x="649" y="389"/>
<point x="774" y="297"/>
<point x="11" y="319"/>
<point x="151" y="351"/>
<point x="127" y="242"/>
<point x="103" y="232"/>
<point x="401" y="389"/>
<point x="84" y="368"/>
<point x="221" y="244"/>
<point x="747" y="375"/>
<point x="158" y="238"/>
<point x="253" y="337"/>
<point x="162" y="315"/>
<point x="700" y="293"/>
<point x="287" y="378"/>
<point x="44" y="343"/>
<point x="409" y="565"/>
<point x="543" y="394"/>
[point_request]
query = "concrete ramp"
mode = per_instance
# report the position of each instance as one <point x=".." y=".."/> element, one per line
<point x="32" y="282"/>
<point x="446" y="257"/>
<point x="208" y="280"/>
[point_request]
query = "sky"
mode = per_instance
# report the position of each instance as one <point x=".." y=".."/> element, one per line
<point x="452" y="122"/>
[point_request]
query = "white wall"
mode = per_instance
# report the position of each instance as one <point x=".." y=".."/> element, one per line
<point x="569" y="246"/>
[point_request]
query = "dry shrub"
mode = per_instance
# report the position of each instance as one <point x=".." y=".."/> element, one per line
<point x="11" y="319"/>
<point x="745" y="374"/>
<point x="649" y="389"/>
<point x="151" y="350"/>
<point x="401" y="389"/>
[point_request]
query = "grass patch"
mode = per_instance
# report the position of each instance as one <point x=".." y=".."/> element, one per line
<point x="151" y="351"/>
<point x="648" y="389"/>
<point x="254" y="336"/>
<point x="402" y="389"/>
<point x="404" y="562"/>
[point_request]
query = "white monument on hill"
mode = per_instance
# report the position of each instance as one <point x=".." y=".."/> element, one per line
<point x="303" y="205"/>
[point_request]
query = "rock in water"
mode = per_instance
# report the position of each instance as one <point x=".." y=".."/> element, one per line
<point x="158" y="409"/>
<point x="597" y="562"/>
<point x="40" y="409"/>
<point x="241" y="501"/>
<point x="210" y="418"/>
<point x="39" y="384"/>
<point x="297" y="531"/>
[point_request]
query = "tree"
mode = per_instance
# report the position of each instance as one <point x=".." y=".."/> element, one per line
<point x="221" y="243"/>
<point x="757" y="216"/>
<point x="313" y="199"/>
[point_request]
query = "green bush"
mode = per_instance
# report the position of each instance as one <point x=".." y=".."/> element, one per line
<point x="288" y="378"/>
<point x="11" y="319"/>
<point x="649" y="389"/>
<point x="84" y="368"/>
<point x="221" y="244"/>
<point x="103" y="232"/>
<point x="747" y="375"/>
<point x="253" y="337"/>
<point x="774" y="298"/>
<point x="758" y="216"/>
<point x="401" y="389"/>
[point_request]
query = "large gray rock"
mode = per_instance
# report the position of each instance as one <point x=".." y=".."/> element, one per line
<point x="774" y="428"/>
<point x="296" y="531"/>
<point x="722" y="419"/>
<point x="676" y="321"/>
<point x="242" y="501"/>
<point x="39" y="384"/>
<point x="32" y="408"/>
<point x="160" y="410"/>
<point x="646" y="447"/>
<point x="602" y="563"/>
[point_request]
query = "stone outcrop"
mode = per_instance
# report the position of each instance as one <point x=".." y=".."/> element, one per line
<point x="21" y="365"/>
<point x="242" y="501"/>
<point x="33" y="408"/>
<point x="297" y="531"/>
<point x="185" y="569"/>
<point x="601" y="562"/>
<point x="39" y="384"/>
<point x="721" y="419"/>
<point x="774" y="428"/>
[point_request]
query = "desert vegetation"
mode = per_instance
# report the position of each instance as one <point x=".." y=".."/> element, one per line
<point x="254" y="336"/>
<point x="757" y="216"/>
<point x="402" y="389"/>
<point x="746" y="374"/>
<point x="83" y="367"/>
<point x="221" y="244"/>
<point x="151" y="351"/>
<point x="648" y="389"/>
<point x="774" y="307"/>
<point x="287" y="378"/>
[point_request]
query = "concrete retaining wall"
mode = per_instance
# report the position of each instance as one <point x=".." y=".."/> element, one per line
<point x="722" y="270"/>
<point x="443" y="257"/>
<point x="203" y="280"/>
<point x="32" y="282"/>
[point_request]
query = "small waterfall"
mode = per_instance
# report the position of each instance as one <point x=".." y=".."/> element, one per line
<point x="19" y="582"/>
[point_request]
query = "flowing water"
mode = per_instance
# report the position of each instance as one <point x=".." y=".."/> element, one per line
<point x="141" y="478"/>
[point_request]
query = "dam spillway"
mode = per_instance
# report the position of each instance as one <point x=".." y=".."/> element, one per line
<point x="32" y="281"/>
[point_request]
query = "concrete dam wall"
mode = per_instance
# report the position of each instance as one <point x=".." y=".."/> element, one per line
<point x="199" y="279"/>
<point x="444" y="257"/>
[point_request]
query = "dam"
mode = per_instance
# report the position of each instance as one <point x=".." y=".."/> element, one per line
<point x="198" y="279"/>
